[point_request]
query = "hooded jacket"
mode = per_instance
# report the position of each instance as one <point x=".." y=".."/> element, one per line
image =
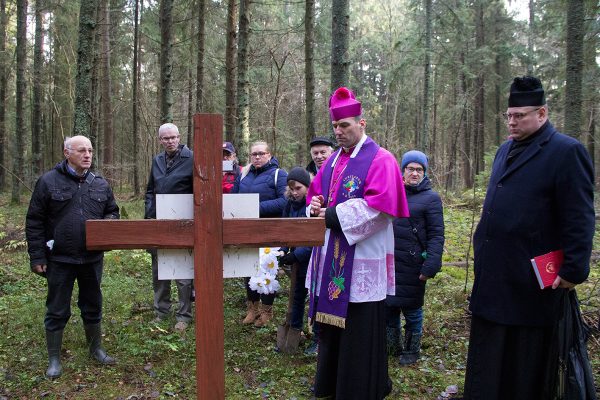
<point x="427" y="218"/>
<point x="60" y="205"/>
<point x="262" y="181"/>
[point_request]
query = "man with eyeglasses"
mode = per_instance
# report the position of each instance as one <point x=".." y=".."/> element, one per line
<point x="63" y="199"/>
<point x="321" y="148"/>
<point x="539" y="199"/>
<point x="418" y="247"/>
<point x="359" y="192"/>
<point x="171" y="173"/>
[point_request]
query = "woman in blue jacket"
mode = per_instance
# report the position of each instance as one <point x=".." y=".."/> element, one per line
<point x="418" y="246"/>
<point x="262" y="176"/>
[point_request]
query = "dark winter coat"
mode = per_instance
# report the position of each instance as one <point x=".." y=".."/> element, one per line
<point x="262" y="181"/>
<point x="427" y="218"/>
<point x="60" y="205"/>
<point x="179" y="179"/>
<point x="542" y="202"/>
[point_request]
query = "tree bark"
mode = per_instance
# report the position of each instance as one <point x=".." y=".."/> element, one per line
<point x="85" y="60"/>
<point x="36" y="128"/>
<point x="200" y="55"/>
<point x="243" y="86"/>
<point x="309" y="69"/>
<point x="574" y="67"/>
<point x="424" y="137"/>
<point x="3" y="85"/>
<point x="107" y="113"/>
<point x="479" y="109"/>
<point x="230" y="66"/>
<point x="135" y="96"/>
<point x="530" y="52"/>
<point x="20" y="101"/>
<point x="166" y="61"/>
<point x="340" y="38"/>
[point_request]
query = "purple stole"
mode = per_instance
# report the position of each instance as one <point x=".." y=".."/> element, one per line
<point x="334" y="294"/>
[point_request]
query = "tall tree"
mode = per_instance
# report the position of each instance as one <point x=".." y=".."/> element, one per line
<point x="574" y="67"/>
<point x="230" y="66"/>
<point x="20" y="100"/>
<point x="530" y="38"/>
<point x="340" y="38"/>
<point x="309" y="68"/>
<point x="166" y="61"/>
<point x="479" y="106"/>
<point x="243" y="85"/>
<point x="200" y="57"/>
<point x="106" y="93"/>
<point x="135" y="96"/>
<point x="424" y="137"/>
<point x="36" y="127"/>
<point x="3" y="84"/>
<point x="85" y="61"/>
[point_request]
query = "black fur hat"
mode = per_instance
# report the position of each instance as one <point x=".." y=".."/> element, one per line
<point x="526" y="91"/>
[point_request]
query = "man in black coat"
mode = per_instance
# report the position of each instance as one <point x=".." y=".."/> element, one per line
<point x="418" y="246"/>
<point x="539" y="199"/>
<point x="171" y="173"/>
<point x="63" y="199"/>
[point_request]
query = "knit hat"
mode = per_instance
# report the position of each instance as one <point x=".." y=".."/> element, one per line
<point x="299" y="174"/>
<point x="414" y="156"/>
<point x="343" y="104"/>
<point x="526" y="91"/>
<point x="321" y="140"/>
<point x="227" y="146"/>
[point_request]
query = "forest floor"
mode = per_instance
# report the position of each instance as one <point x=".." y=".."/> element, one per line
<point x="155" y="362"/>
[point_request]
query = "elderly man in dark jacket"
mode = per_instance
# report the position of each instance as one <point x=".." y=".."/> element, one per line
<point x="171" y="173"/>
<point x="63" y="199"/>
<point x="539" y="199"/>
<point x="418" y="246"/>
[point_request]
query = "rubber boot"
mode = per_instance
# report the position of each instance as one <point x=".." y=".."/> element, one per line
<point x="252" y="312"/>
<point x="412" y="348"/>
<point x="93" y="335"/>
<point x="54" y="344"/>
<point x="394" y="341"/>
<point x="266" y="315"/>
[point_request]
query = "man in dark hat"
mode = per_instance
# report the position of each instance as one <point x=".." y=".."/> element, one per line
<point x="321" y="148"/>
<point x="539" y="199"/>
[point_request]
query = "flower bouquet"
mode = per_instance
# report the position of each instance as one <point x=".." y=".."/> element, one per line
<point x="265" y="281"/>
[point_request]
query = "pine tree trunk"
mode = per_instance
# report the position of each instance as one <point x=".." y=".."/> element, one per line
<point x="230" y="76"/>
<point x="340" y="31"/>
<point x="574" y="70"/>
<point x="424" y="136"/>
<point x="107" y="114"/>
<point x="530" y="53"/>
<point x="135" y="96"/>
<point x="200" y="58"/>
<point x="243" y="86"/>
<point x="309" y="69"/>
<point x="3" y="84"/>
<point x="36" y="128"/>
<point x="479" y="109"/>
<point x="85" y="60"/>
<point x="20" y="128"/>
<point x="166" y="62"/>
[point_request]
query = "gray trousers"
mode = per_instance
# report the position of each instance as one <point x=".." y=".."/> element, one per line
<point x="162" y="295"/>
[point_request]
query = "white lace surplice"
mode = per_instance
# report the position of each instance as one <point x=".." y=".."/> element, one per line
<point x="373" y="268"/>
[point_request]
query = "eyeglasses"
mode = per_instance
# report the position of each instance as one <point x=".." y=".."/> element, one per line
<point x="259" y="154"/>
<point x="169" y="138"/>
<point x="517" y="116"/>
<point x="418" y="170"/>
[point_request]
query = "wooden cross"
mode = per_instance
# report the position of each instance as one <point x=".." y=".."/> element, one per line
<point x="207" y="233"/>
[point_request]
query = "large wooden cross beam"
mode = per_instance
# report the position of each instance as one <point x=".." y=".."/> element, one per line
<point x="207" y="233"/>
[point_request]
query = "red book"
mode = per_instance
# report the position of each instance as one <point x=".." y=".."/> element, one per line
<point x="546" y="267"/>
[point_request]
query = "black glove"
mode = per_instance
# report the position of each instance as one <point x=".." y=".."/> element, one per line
<point x="288" y="259"/>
